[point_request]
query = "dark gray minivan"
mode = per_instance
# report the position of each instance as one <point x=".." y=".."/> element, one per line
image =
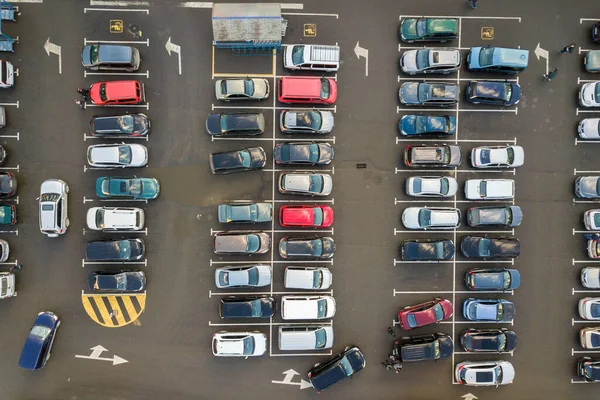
<point x="110" y="57"/>
<point x="431" y="346"/>
<point x="115" y="250"/>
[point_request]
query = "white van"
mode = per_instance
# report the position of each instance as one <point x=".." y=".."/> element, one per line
<point x="489" y="189"/>
<point x="307" y="278"/>
<point x="7" y="78"/>
<point x="305" y="337"/>
<point x="54" y="216"/>
<point x="307" y="307"/>
<point x="311" y="57"/>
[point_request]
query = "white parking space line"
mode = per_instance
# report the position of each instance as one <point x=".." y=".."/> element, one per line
<point x="86" y="168"/>
<point x="287" y="107"/>
<point x="577" y="321"/>
<point x="84" y="263"/>
<point x="471" y="353"/>
<point x="576" y="231"/>
<point x="579" y="80"/>
<point x="118" y="3"/>
<point x="573" y="351"/>
<point x="10" y="136"/>
<point x="507" y="141"/>
<point x="86" y="9"/>
<point x="16" y="104"/>
<point x="459" y="17"/>
<point x="312" y="14"/>
<point x="585" y="201"/>
<point x="574" y="381"/>
<point x="441" y="200"/>
<point x="410" y="232"/>
<point x="86" y="137"/>
<point x="146" y="106"/>
<point x="318" y="231"/>
<point x="577" y="141"/>
<point x="470" y="171"/>
<point x="15" y="232"/>
<point x="588" y="19"/>
<point x="146" y="74"/>
<point x="573" y="291"/>
<point x="261" y="139"/>
<point x="586" y="111"/>
<point x="451" y="291"/>
<point x="323" y="293"/>
<point x="417" y="78"/>
<point x="137" y="42"/>
<point x="588" y="261"/>
<point x="325" y="353"/>
<point x="142" y="232"/>
<point x="575" y="172"/>
<point x="441" y="109"/>
<point x="86" y="200"/>
<point x="327" y="261"/>
<point x="324" y="323"/>
<point x="297" y="170"/>
<point x="309" y="199"/>
<point x="10" y="168"/>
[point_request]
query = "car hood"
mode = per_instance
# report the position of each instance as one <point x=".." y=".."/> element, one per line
<point x="519" y="156"/>
<point x="446" y="346"/>
<point x="588" y="128"/>
<point x="261" y="88"/>
<point x="328" y="247"/>
<point x="150" y="188"/>
<point x="455" y="155"/>
<point x="508" y="373"/>
<point x="587" y="186"/>
<point x="325" y="153"/>
<point x="591" y="277"/>
<point x="137" y="249"/>
<point x="516" y="94"/>
<point x="511" y="341"/>
<point x="409" y="61"/>
<point x="327" y="185"/>
<point x="51" y="186"/>
<point x="258" y="157"/>
<point x="327" y="122"/>
<point x="408" y="28"/>
<point x="410" y="217"/>
<point x="407" y="124"/>
<point x="587" y="93"/>
<point x="139" y="155"/>
<point x="509" y="311"/>
<point x="516" y="216"/>
<point x="409" y="93"/>
<point x="473" y="57"/>
<point x="141" y="124"/>
<point x="135" y="280"/>
<point x="213" y="124"/>
<point x="515" y="279"/>
<point x="86" y="56"/>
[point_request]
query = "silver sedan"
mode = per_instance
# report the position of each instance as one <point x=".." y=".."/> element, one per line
<point x="242" y="89"/>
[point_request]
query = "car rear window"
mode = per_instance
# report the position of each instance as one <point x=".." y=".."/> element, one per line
<point x="103" y="92"/>
<point x="486" y="56"/>
<point x="325" y="88"/>
<point x="318" y="216"/>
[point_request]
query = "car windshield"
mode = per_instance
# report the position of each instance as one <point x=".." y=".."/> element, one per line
<point x="424" y="217"/>
<point x="246" y="159"/>
<point x="321" y="308"/>
<point x="507" y="91"/>
<point x="420" y="124"/>
<point x="121" y="281"/>
<point x="499" y="311"/>
<point x="312" y="119"/>
<point x="253" y="276"/>
<point x="597" y="219"/>
<point x="297" y="55"/>
<point x="94" y="53"/>
<point x="412" y="320"/>
<point x="124" y="155"/>
<point x="100" y="219"/>
<point x="316" y="184"/>
<point x="49" y="197"/>
<point x="444" y="186"/>
<point x="498" y="371"/>
<point x="510" y="155"/>
<point x="595" y="339"/>
<point x="256" y="308"/>
<point x="485" y="156"/>
<point x="421" y="27"/>
<point x="103" y="92"/>
<point x="595" y="310"/>
<point x="346" y="366"/>
<point x="248" y="346"/>
<point x="506" y="278"/>
<point x="486" y="55"/>
<point x="316" y="247"/>
<point x="325" y="88"/>
<point x="483" y="247"/>
<point x="318" y="216"/>
<point x="317" y="279"/>
<point x="438" y="311"/>
<point x="40" y="331"/>
<point x="417" y="184"/>
<point x="483" y="188"/>
<point x="500" y="342"/>
<point x="320" y="338"/>
<point x="422" y="59"/>
<point x="597" y="91"/>
<point x="249" y="87"/>
<point x="126" y="123"/>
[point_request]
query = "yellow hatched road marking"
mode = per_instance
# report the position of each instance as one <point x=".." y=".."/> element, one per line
<point x="89" y="309"/>
<point x="103" y="311"/>
<point x="114" y="306"/>
<point x="129" y="307"/>
<point x="117" y="310"/>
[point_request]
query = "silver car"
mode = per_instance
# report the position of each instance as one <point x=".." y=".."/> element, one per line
<point x="243" y="276"/>
<point x="431" y="186"/>
<point x="431" y="218"/>
<point x="430" y="61"/>
<point x="239" y="344"/>
<point x="235" y="242"/>
<point x="590" y="338"/>
<point x="589" y="308"/>
<point x="589" y="128"/>
<point x="306" y="121"/>
<point x="117" y="155"/>
<point x="485" y="373"/>
<point x="53" y="203"/>
<point x="115" y="219"/>
<point x="590" y="277"/>
<point x="305" y="183"/>
<point x="242" y="89"/>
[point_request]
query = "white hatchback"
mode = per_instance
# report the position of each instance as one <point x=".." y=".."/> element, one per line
<point x="485" y="373"/>
<point x="117" y="155"/>
<point x="497" y="157"/>
<point x="589" y="128"/>
<point x="239" y="344"/>
<point x="431" y="186"/>
<point x="431" y="218"/>
<point x="115" y="219"/>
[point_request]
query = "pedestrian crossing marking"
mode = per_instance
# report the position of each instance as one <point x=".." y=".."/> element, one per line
<point x="114" y="310"/>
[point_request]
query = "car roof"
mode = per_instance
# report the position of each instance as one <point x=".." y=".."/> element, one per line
<point x="298" y="215"/>
<point x="111" y="53"/>
<point x="105" y="153"/>
<point x="120" y="89"/>
<point x="300" y="182"/>
<point x="439" y="25"/>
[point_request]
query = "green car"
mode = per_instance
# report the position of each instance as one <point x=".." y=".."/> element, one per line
<point x="428" y="29"/>
<point x="592" y="61"/>
<point x="109" y="187"/>
<point x="8" y="214"/>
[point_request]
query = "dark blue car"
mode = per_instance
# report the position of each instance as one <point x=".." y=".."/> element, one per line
<point x="39" y="342"/>
<point x="492" y="279"/>
<point x="337" y="368"/>
<point x="494" y="93"/>
<point x="427" y="250"/>
<point x="412" y="124"/>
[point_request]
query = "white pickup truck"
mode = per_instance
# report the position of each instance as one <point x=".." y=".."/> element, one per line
<point x="490" y="189"/>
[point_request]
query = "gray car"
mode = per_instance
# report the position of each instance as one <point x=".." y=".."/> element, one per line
<point x="493" y="310"/>
<point x="505" y="216"/>
<point x="430" y="61"/>
<point x="241" y="243"/>
<point x="305" y="183"/>
<point x="243" y="276"/>
<point x="245" y="213"/>
<point x="242" y="89"/>
<point x="433" y="94"/>
<point x="306" y="121"/>
<point x="587" y="187"/>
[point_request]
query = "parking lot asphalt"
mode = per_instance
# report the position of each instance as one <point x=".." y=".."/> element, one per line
<point x="168" y="347"/>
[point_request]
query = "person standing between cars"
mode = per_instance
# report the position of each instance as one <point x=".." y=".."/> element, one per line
<point x="568" y="48"/>
<point x="551" y="74"/>
<point x="80" y="103"/>
<point x="473" y="3"/>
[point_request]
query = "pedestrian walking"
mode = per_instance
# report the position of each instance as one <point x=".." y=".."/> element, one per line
<point x="83" y="92"/>
<point x="80" y="103"/>
<point x="591" y="236"/>
<point x="18" y="267"/>
<point x="568" y="48"/>
<point x="397" y="367"/>
<point x="473" y="3"/>
<point x="391" y="331"/>
<point x="387" y="365"/>
<point x="551" y="74"/>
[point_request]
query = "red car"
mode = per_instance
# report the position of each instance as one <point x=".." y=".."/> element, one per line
<point x="431" y="312"/>
<point x="117" y="92"/>
<point x="306" y="216"/>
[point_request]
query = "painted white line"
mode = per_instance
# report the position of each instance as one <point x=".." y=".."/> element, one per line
<point x="576" y="231"/>
<point x="10" y="136"/>
<point x="28" y="1"/>
<point x="577" y="321"/>
<point x="312" y="200"/>
<point x="215" y="107"/>
<point x="577" y="141"/>
<point x="300" y="354"/>
<point x="86" y="9"/>
<point x="308" y="293"/>
<point x="442" y="109"/>
<point x="10" y="104"/>
<point x="470" y="171"/>
<point x="291" y="139"/>
<point x="317" y="231"/>
<point x="574" y="381"/>
<point x="422" y="78"/>
<point x="313" y="14"/>
<point x="573" y="351"/>
<point x="575" y="172"/>
<point x="292" y="6"/>
<point x="588" y="19"/>
<point x="445" y="200"/>
<point x="86" y="137"/>
<point x="396" y="262"/>
<point x="585" y="201"/>
<point x="10" y="168"/>
<point x="146" y="74"/>
<point x="573" y="291"/>
<point x="326" y="323"/>
<point x="196" y="4"/>
<point x="586" y="111"/>
<point x="417" y="140"/>
<point x="589" y="261"/>
<point x="459" y="17"/>
<point x="452" y="291"/>
<point x="118" y="3"/>
<point x="84" y="263"/>
<point x="397" y="231"/>
<point x="471" y="353"/>
<point x="327" y="261"/>
<point x="138" y="42"/>
<point x="477" y="322"/>
<point x="146" y="106"/>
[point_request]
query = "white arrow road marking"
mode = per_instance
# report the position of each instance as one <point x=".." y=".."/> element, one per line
<point x="469" y="396"/>
<point x="54" y="49"/>
<point x="172" y="47"/>
<point x="359" y="51"/>
<point x="539" y="52"/>
<point x="97" y="350"/>
<point x="289" y="375"/>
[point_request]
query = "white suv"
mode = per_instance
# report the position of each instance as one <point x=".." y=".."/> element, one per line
<point x="117" y="155"/>
<point x="115" y="219"/>
<point x="490" y="189"/>
<point x="239" y="344"/>
<point x="431" y="218"/>
<point x="54" y="218"/>
<point x="307" y="307"/>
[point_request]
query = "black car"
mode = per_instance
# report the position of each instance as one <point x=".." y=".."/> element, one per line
<point x="126" y="281"/>
<point x="504" y="216"/>
<point x="337" y="368"/>
<point x="247" y="307"/>
<point x="307" y="153"/>
<point x="235" y="124"/>
<point x="433" y="346"/>
<point x="596" y="32"/>
<point x="494" y="93"/>
<point x="482" y="247"/>
<point x="488" y="340"/>
<point x="8" y="184"/>
<point x="427" y="250"/>
<point x="228" y="162"/>
<point x="120" y="126"/>
<point x="589" y="369"/>
<point x="317" y="247"/>
<point x="115" y="250"/>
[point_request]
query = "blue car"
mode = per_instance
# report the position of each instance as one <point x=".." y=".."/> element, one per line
<point x="412" y="124"/>
<point x="39" y="341"/>
<point x="436" y="94"/>
<point x="492" y="279"/>
<point x="592" y="61"/>
<point x="493" y="310"/>
<point x="494" y="93"/>
<point x="109" y="187"/>
<point x="245" y="213"/>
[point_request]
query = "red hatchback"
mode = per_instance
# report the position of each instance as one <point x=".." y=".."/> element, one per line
<point x="431" y="312"/>
<point x="306" y="216"/>
<point x="117" y="92"/>
<point x="306" y="90"/>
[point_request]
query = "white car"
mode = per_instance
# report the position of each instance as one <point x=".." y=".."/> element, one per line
<point x="590" y="338"/>
<point x="307" y="307"/>
<point x="589" y="308"/>
<point x="489" y="189"/>
<point x="7" y="282"/>
<point x="593" y="247"/>
<point x="591" y="219"/>
<point x="431" y="186"/>
<point x="590" y="277"/>
<point x="310" y="278"/>
<point x="243" y="276"/>
<point x="239" y="344"/>
<point x="589" y="94"/>
<point x="117" y="155"/>
<point x="428" y="61"/>
<point x="497" y="157"/>
<point x="589" y="128"/>
<point x="431" y="218"/>
<point x="7" y="74"/>
<point x="485" y="373"/>
<point x="115" y="218"/>
<point x="4" y="250"/>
